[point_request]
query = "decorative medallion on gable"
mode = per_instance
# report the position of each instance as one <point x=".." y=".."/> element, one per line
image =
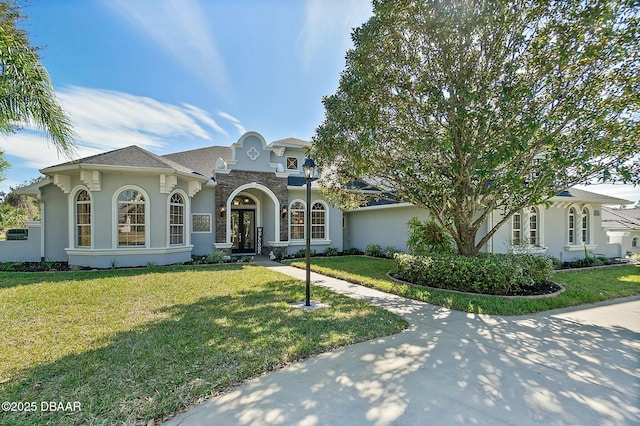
<point x="253" y="153"/>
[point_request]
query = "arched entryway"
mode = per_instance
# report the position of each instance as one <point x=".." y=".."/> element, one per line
<point x="254" y="217"/>
<point x="244" y="228"/>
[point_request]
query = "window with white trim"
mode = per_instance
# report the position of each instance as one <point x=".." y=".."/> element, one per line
<point x="534" y="234"/>
<point x="296" y="221"/>
<point x="83" y="218"/>
<point x="131" y="210"/>
<point x="571" y="222"/>
<point x="176" y="220"/>
<point x="292" y="163"/>
<point x="318" y="221"/>
<point x="516" y="229"/>
<point x="585" y="226"/>
<point x="635" y="242"/>
<point x="201" y="223"/>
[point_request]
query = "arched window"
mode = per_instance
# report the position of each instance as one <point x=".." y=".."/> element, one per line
<point x="131" y="210"/>
<point x="318" y="221"/>
<point x="572" y="225"/>
<point x="534" y="222"/>
<point x="635" y="242"/>
<point x="516" y="229"/>
<point x="296" y="221"/>
<point x="585" y="226"/>
<point x="83" y="218"/>
<point x="176" y="220"/>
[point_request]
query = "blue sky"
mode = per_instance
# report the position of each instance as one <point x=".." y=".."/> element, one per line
<point x="173" y="75"/>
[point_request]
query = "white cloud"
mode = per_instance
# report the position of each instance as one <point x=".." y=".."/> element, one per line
<point x="179" y="27"/>
<point x="328" y="25"/>
<point x="104" y="120"/>
<point x="238" y="125"/>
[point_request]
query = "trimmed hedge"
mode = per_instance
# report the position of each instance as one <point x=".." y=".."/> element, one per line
<point x="499" y="274"/>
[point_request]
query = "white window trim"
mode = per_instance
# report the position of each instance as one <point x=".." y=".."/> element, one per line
<point x="286" y="163"/>
<point x="537" y="248"/>
<point x="304" y="230"/>
<point x="579" y="244"/>
<point x="72" y="218"/>
<point x="114" y="221"/>
<point x="326" y="221"/>
<point x="185" y="214"/>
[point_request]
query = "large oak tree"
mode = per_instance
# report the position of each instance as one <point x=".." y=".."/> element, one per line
<point x="463" y="107"/>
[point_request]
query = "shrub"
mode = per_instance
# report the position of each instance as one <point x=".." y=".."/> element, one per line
<point x="301" y="253"/>
<point x="217" y="256"/>
<point x="373" y="250"/>
<point x="500" y="274"/>
<point x="351" y="252"/>
<point x="390" y="251"/>
<point x="428" y="237"/>
<point x="331" y="251"/>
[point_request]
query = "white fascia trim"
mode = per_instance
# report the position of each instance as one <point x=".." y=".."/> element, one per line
<point x="580" y="247"/>
<point x="127" y="169"/>
<point x="313" y="242"/>
<point x="278" y="243"/>
<point x="222" y="246"/>
<point x="128" y="251"/>
<point x="384" y="206"/>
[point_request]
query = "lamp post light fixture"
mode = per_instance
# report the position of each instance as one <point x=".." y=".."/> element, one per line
<point x="309" y="168"/>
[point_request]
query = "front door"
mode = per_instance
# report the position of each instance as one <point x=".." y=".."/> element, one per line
<point x="243" y="231"/>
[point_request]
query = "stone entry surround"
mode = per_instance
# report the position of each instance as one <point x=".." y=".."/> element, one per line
<point x="227" y="183"/>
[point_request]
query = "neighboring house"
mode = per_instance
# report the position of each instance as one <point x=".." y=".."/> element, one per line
<point x="622" y="226"/>
<point x="130" y="207"/>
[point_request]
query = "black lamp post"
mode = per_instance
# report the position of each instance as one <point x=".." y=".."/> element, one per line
<point x="309" y="168"/>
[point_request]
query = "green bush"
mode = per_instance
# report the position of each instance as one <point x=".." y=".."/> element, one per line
<point x="217" y="256"/>
<point x="390" y="251"/>
<point x="301" y="253"/>
<point x="500" y="274"/>
<point x="428" y="237"/>
<point x="373" y="250"/>
<point x="331" y="251"/>
<point x="351" y="252"/>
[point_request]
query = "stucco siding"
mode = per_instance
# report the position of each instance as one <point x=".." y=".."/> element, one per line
<point x="386" y="226"/>
<point x="204" y="203"/>
<point x="56" y="223"/>
<point x="334" y="223"/>
<point x="23" y="250"/>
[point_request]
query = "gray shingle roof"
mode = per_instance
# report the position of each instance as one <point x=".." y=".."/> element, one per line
<point x="131" y="156"/>
<point x="202" y="160"/>
<point x="620" y="219"/>
<point x="574" y="195"/>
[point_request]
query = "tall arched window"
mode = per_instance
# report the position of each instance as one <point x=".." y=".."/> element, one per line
<point x="585" y="226"/>
<point x="635" y="242"/>
<point x="296" y="221"/>
<point x="572" y="225"/>
<point x="131" y="218"/>
<point x="176" y="220"/>
<point x="534" y="222"/>
<point x="83" y="218"/>
<point x="318" y="221"/>
<point x="516" y="229"/>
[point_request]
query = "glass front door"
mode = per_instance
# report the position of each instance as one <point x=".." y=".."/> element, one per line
<point x="243" y="231"/>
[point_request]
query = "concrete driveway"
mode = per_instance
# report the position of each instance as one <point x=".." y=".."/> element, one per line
<point x="575" y="367"/>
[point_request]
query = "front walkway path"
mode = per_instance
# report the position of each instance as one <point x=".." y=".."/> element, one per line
<point x="575" y="367"/>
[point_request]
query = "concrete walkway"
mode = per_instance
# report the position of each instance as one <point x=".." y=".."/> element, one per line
<point x="575" y="367"/>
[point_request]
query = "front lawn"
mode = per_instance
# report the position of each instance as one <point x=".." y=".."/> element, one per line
<point x="582" y="287"/>
<point x="134" y="345"/>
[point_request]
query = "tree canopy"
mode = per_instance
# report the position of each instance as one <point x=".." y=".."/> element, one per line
<point x="465" y="107"/>
<point x="27" y="96"/>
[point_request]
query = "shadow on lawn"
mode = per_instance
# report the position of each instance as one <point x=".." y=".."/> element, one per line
<point x="14" y="279"/>
<point x="197" y="350"/>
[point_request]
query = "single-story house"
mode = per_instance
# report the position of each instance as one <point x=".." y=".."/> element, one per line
<point x="131" y="207"/>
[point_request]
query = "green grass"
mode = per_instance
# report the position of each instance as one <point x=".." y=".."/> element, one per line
<point x="582" y="287"/>
<point x="134" y="345"/>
